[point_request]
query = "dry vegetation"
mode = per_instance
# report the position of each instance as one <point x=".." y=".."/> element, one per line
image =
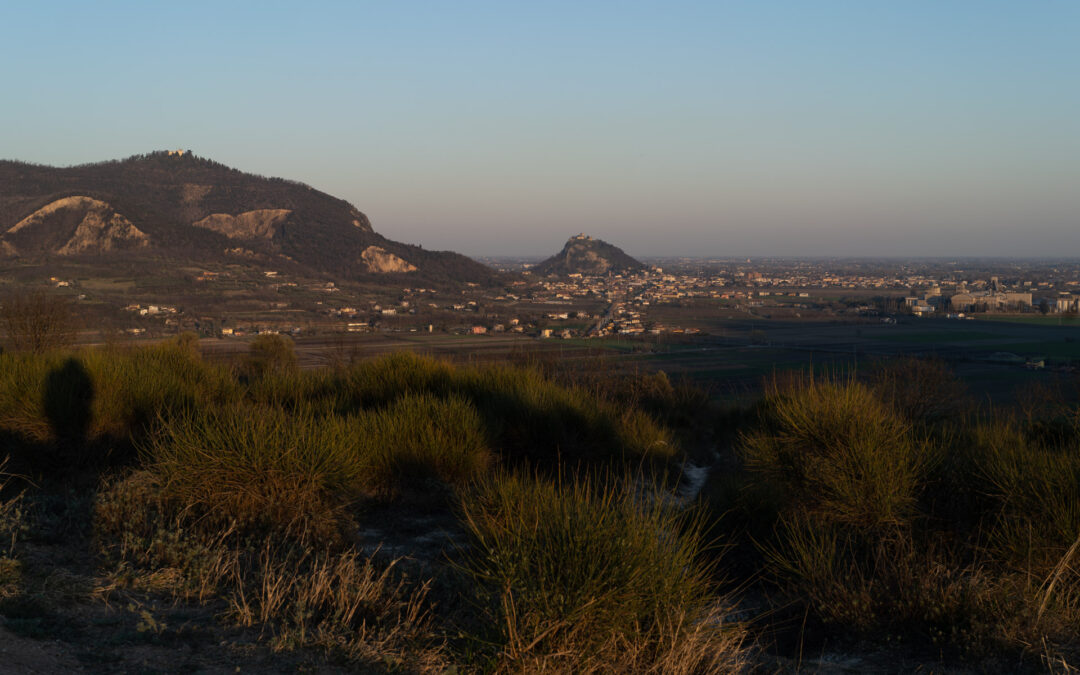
<point x="36" y="321"/>
<point x="849" y="512"/>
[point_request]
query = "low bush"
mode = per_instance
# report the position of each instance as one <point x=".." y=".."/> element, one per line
<point x="269" y="353"/>
<point x="530" y="419"/>
<point x="922" y="391"/>
<point x="877" y="582"/>
<point x="540" y="424"/>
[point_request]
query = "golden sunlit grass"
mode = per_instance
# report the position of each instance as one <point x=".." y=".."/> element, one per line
<point x="592" y="575"/>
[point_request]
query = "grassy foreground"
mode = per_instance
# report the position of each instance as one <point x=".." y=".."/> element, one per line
<point x="247" y="491"/>
<point x="408" y="515"/>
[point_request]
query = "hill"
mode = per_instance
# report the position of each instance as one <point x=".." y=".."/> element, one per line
<point x="585" y="255"/>
<point x="178" y="206"/>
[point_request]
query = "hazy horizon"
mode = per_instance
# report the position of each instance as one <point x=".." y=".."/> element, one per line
<point x="838" y="129"/>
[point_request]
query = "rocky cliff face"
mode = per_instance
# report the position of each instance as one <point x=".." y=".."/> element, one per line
<point x="258" y="224"/>
<point x="381" y="261"/>
<point x="588" y="256"/>
<point x="72" y="226"/>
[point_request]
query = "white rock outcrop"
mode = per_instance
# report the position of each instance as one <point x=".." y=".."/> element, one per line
<point x="101" y="228"/>
<point x="258" y="224"/>
<point x="381" y="261"/>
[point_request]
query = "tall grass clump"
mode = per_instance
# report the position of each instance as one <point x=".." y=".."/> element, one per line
<point x="318" y="391"/>
<point x="530" y="419"/>
<point x="22" y="389"/>
<point x="1033" y="526"/>
<point x="836" y="453"/>
<point x="73" y="410"/>
<point x="679" y="404"/>
<point x="843" y="475"/>
<point x="420" y="442"/>
<point x="888" y="580"/>
<point x="135" y="388"/>
<point x="297" y="469"/>
<point x="589" y="576"/>
<point x="541" y="423"/>
<point x="1036" y="488"/>
<point x="1017" y="512"/>
<point x="262" y="467"/>
<point x="376" y="383"/>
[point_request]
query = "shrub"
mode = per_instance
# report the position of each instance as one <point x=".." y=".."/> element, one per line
<point x="269" y="353"/>
<point x="529" y="418"/>
<point x="836" y="452"/>
<point x="586" y="576"/>
<point x="920" y="390"/>
<point x="536" y="422"/>
<point x="37" y="321"/>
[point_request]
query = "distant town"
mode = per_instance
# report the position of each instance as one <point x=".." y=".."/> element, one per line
<point x="674" y="296"/>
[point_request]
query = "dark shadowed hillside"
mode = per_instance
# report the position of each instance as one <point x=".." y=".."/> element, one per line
<point x="585" y="255"/>
<point x="175" y="203"/>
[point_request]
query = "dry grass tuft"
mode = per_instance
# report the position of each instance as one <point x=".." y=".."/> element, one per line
<point x="591" y="576"/>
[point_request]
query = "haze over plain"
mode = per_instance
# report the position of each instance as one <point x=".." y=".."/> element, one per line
<point x="682" y="128"/>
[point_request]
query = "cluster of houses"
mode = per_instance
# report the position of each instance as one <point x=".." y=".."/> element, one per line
<point x="151" y="310"/>
<point x="623" y="304"/>
<point x="992" y="297"/>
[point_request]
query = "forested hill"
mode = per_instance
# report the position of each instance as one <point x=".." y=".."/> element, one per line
<point x="585" y="255"/>
<point x="174" y="202"/>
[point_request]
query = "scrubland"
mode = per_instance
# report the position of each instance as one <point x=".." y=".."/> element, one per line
<point x="409" y="515"/>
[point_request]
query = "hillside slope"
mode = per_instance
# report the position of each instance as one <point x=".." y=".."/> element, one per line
<point x="183" y="206"/>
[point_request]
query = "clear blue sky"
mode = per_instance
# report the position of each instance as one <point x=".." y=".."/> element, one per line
<point x="912" y="127"/>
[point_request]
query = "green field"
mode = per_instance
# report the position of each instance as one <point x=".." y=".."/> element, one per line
<point x="939" y="336"/>
<point x="1034" y="320"/>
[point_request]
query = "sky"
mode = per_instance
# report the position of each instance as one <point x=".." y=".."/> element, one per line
<point x="864" y="127"/>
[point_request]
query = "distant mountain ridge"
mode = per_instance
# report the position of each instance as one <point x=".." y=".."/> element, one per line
<point x="173" y="201"/>
<point x="584" y="255"/>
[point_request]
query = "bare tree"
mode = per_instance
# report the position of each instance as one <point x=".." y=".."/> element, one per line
<point x="37" y="321"/>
